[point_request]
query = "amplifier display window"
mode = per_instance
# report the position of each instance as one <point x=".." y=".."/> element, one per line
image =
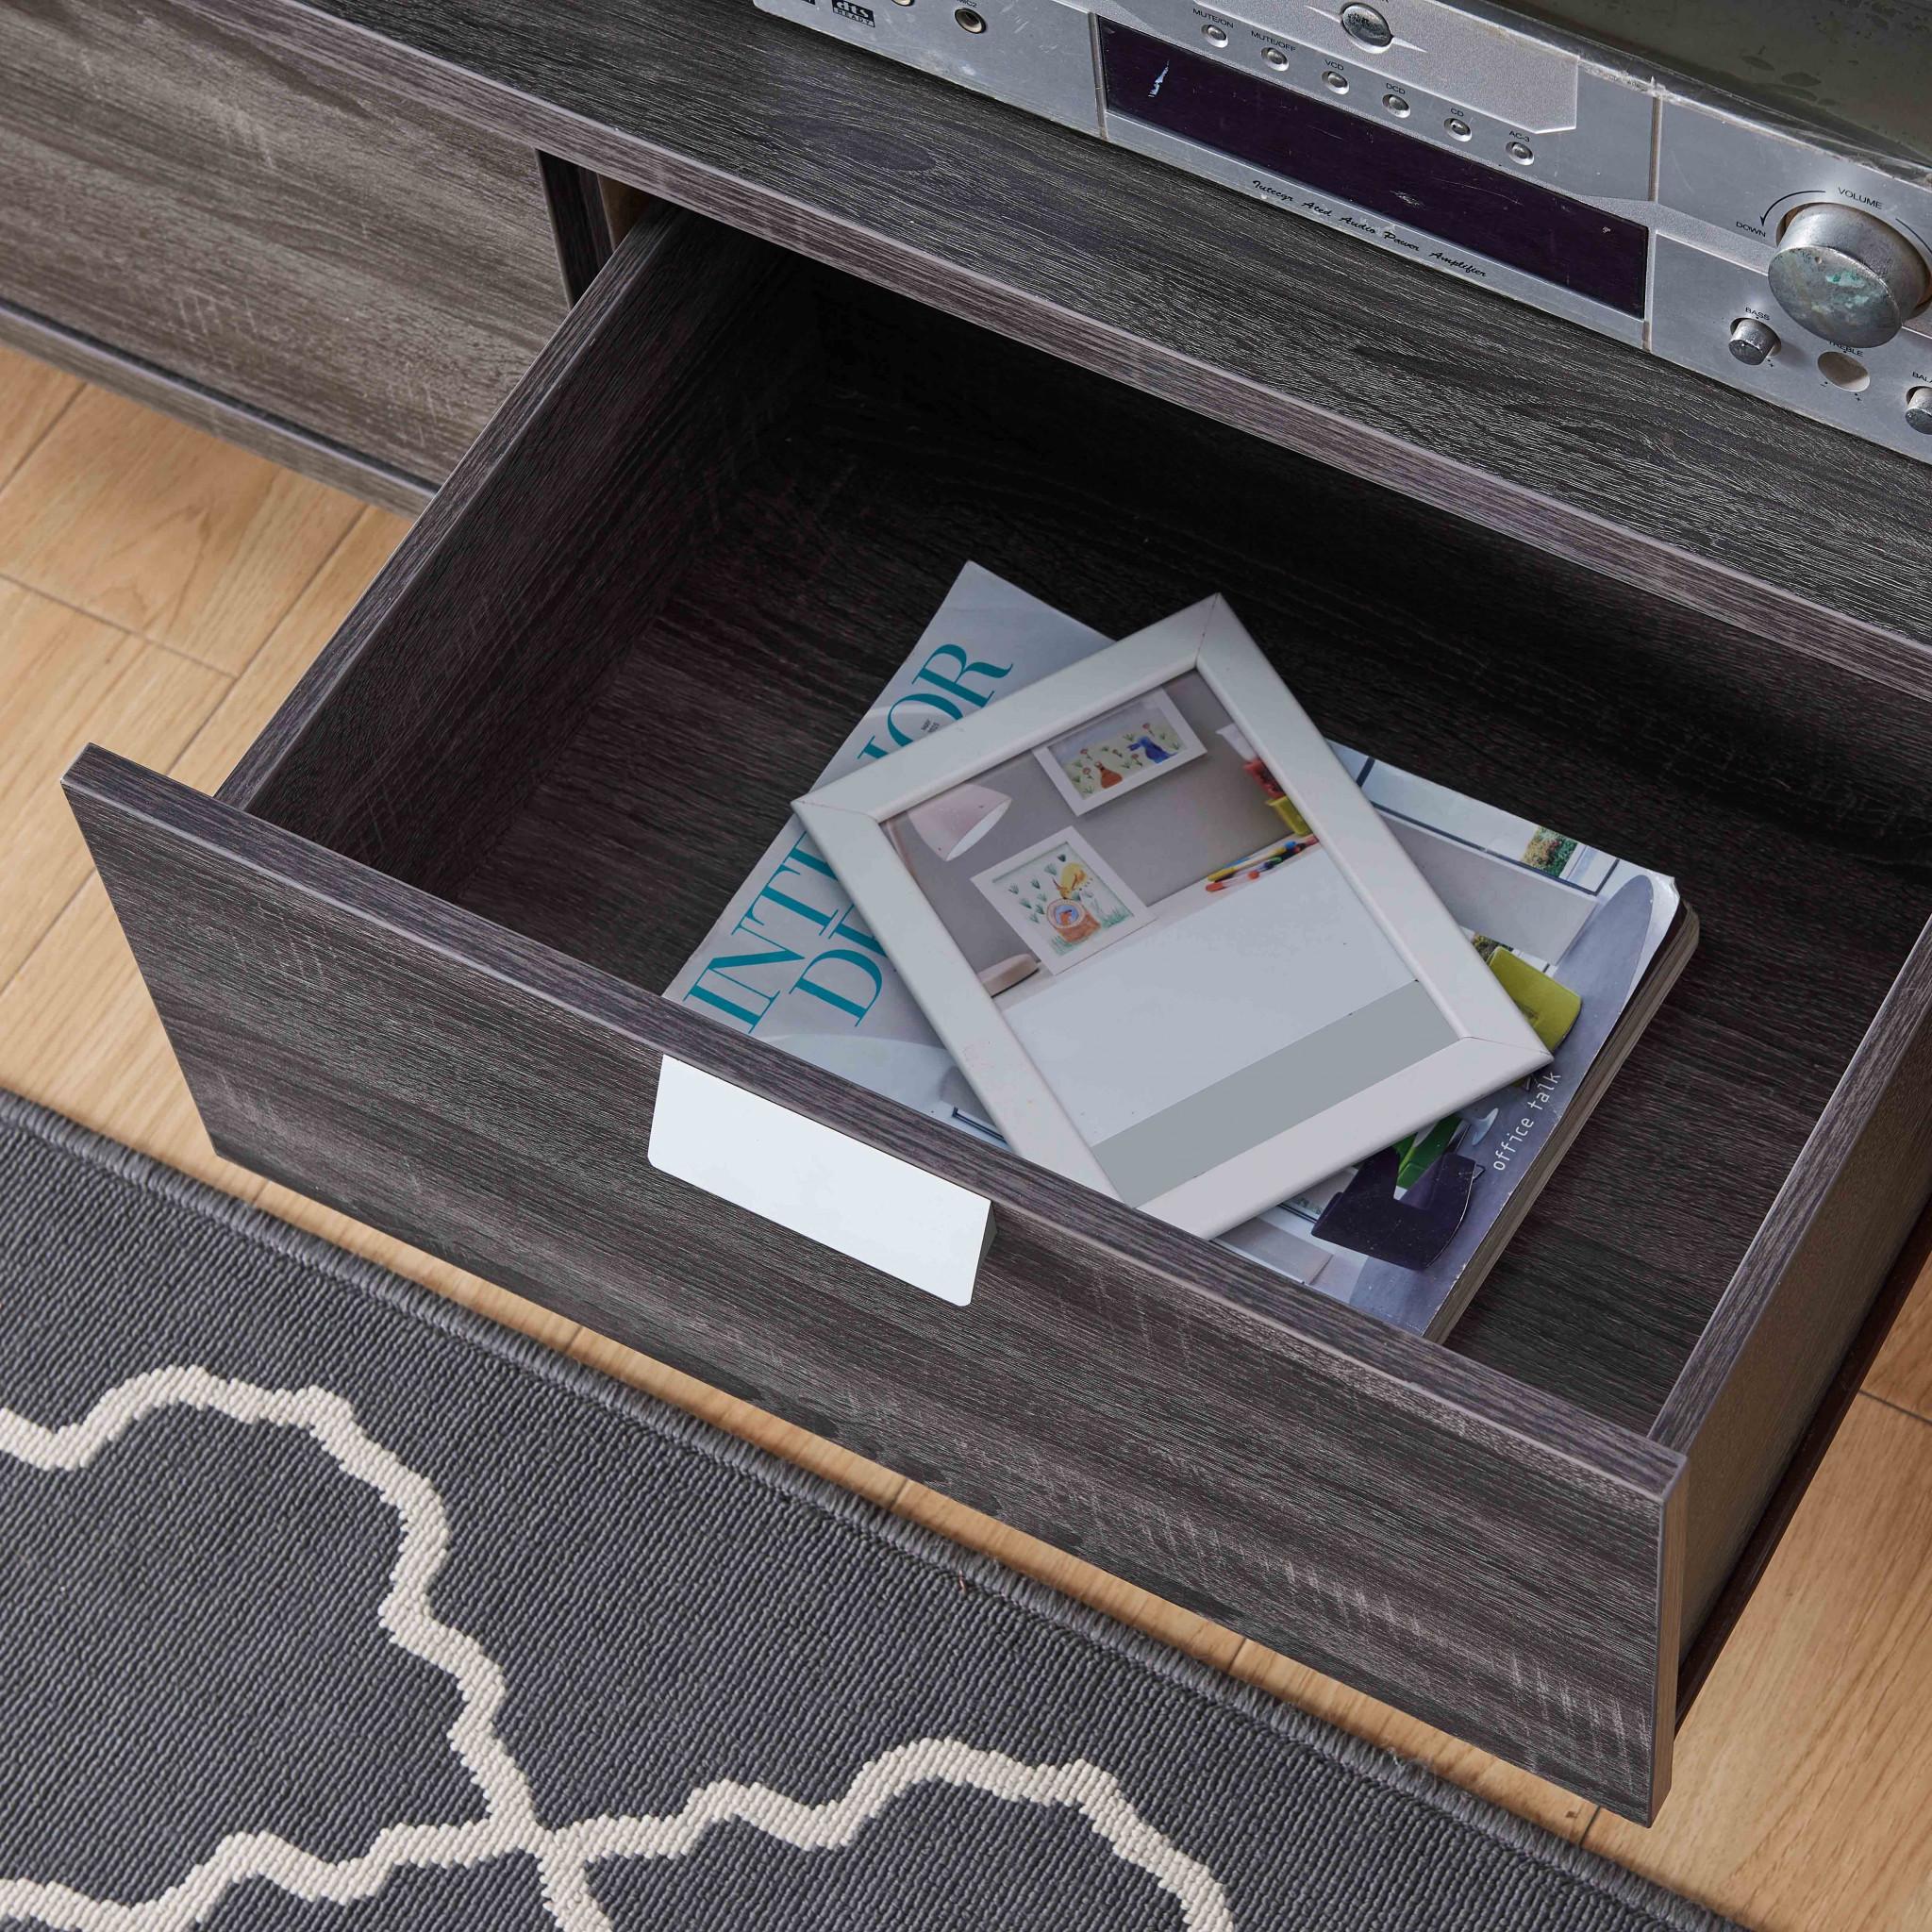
<point x="1463" y="203"/>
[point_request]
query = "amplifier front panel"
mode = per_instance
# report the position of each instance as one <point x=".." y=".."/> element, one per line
<point x="1481" y="151"/>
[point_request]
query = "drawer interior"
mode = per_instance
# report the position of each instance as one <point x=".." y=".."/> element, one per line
<point x="699" y="652"/>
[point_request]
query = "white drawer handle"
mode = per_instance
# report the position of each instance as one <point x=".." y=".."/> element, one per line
<point x="821" y="1183"/>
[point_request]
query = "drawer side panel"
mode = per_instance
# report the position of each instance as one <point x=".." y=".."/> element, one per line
<point x="1802" y="1292"/>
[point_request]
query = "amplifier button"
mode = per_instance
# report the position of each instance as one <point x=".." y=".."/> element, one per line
<point x="1366" y="27"/>
<point x="1752" y="341"/>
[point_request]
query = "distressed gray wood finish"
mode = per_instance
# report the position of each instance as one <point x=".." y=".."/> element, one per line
<point x="268" y="436"/>
<point x="942" y="445"/>
<point x="401" y="960"/>
<point x="1767" y="1360"/>
<point x="1708" y="1639"/>
<point x="1428" y="1530"/>
<point x="1480" y="405"/>
<point x="579" y="219"/>
<point x="268" y="232"/>
<point x="413" y="756"/>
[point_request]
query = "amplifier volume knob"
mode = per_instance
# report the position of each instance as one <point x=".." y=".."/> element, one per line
<point x="1846" y="275"/>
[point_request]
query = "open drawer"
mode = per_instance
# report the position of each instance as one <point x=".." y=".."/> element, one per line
<point x="408" y="956"/>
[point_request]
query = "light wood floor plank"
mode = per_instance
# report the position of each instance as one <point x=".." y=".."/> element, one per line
<point x="1804" y="1774"/>
<point x="69" y="679"/>
<point x="290" y="648"/>
<point x="78" y="1033"/>
<point x="164" y="530"/>
<point x="31" y="396"/>
<point x="1902" y="1374"/>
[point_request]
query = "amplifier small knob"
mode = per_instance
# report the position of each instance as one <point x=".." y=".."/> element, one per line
<point x="1752" y="341"/>
<point x="1846" y="275"/>
<point x="1919" y="409"/>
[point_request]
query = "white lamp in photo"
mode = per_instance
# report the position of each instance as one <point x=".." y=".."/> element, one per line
<point x="958" y="820"/>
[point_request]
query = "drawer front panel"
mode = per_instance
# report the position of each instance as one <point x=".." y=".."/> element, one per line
<point x="376" y="275"/>
<point x="488" y="1100"/>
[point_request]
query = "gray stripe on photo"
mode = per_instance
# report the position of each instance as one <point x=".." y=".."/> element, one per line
<point x="1288" y="1086"/>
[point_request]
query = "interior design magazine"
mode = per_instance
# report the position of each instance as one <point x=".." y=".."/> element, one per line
<point x="1586" y="942"/>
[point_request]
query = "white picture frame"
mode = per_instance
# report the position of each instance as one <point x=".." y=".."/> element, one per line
<point x="1460" y="1036"/>
<point x="1120" y="911"/>
<point x="1155" y="714"/>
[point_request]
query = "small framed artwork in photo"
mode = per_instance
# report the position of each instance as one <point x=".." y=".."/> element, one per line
<point x="1112" y="756"/>
<point x="1062" y="899"/>
<point x="1228" y="1006"/>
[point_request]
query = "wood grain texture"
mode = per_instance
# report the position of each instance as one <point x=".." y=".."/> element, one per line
<point x="1798" y="1804"/>
<point x="69" y="678"/>
<point x="579" y="222"/>
<point x="946" y="447"/>
<point x="415" y="734"/>
<point x="1801" y="1292"/>
<point x="1429" y="1531"/>
<point x="1910" y="1273"/>
<point x="266" y="233"/>
<point x="1294" y="332"/>
<point x="1503" y="1784"/>
<point x="859" y="508"/>
<point x="81" y="1031"/>
<point x="1817" y="1645"/>
<point x="288" y="651"/>
<point x="41" y="1054"/>
<point x="481" y="1084"/>
<point x="1901" y="1372"/>
<point x="78" y="1033"/>
<point x="158" y="528"/>
<point x="136" y="1075"/>
<point x="32" y="396"/>
<point x="75" y="355"/>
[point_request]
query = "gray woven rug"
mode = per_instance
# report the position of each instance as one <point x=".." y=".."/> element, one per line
<point x="326" y="1605"/>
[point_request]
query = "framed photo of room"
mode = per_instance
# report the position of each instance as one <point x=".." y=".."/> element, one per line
<point x="1198" y="989"/>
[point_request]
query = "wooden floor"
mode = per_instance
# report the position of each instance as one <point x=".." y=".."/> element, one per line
<point x="159" y="591"/>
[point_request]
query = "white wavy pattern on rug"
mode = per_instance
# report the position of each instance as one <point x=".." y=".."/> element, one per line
<point x="509" y="1826"/>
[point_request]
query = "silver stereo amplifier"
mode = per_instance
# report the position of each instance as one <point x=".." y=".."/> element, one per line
<point x="1791" y="262"/>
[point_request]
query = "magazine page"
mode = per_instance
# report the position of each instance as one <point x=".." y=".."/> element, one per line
<point x="1394" y="1235"/>
<point x="789" y="961"/>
